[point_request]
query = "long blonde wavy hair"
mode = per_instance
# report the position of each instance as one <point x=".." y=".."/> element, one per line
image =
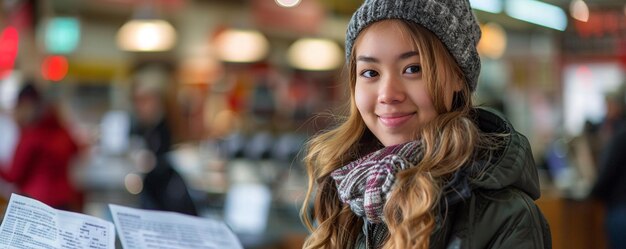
<point x="449" y="142"/>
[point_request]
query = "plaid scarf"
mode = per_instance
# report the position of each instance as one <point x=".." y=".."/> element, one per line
<point x="365" y="183"/>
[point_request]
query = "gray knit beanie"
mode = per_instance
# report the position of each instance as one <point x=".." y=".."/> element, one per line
<point x="452" y="21"/>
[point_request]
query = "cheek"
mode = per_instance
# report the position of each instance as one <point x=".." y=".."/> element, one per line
<point x="361" y="99"/>
<point x="424" y="103"/>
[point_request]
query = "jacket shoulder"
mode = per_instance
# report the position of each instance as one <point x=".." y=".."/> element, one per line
<point x="503" y="218"/>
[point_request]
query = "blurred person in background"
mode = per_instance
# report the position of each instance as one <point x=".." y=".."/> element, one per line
<point x="614" y="119"/>
<point x="415" y="164"/>
<point x="163" y="186"/>
<point x="40" y="167"/>
<point x="610" y="185"/>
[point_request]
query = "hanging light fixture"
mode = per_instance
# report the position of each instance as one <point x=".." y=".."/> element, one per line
<point x="579" y="10"/>
<point x="146" y="33"/>
<point x="315" y="54"/>
<point x="146" y="36"/>
<point x="241" y="46"/>
<point x="287" y="3"/>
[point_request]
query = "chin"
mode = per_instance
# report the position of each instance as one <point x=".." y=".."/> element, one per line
<point x="390" y="142"/>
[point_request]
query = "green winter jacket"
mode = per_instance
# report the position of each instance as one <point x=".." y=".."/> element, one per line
<point x="494" y="209"/>
<point x="500" y="213"/>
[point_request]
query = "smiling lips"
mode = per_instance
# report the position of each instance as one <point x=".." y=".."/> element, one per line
<point x="395" y="119"/>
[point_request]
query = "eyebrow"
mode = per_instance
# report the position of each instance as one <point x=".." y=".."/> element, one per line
<point x="375" y="60"/>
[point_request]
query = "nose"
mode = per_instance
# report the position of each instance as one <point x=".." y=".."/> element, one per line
<point x="391" y="91"/>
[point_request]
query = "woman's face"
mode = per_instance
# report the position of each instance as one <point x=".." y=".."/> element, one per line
<point x="390" y="92"/>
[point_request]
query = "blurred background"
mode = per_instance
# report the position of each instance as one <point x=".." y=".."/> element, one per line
<point x="202" y="106"/>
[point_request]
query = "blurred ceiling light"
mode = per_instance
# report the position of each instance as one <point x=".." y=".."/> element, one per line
<point x="62" y="35"/>
<point x="493" y="41"/>
<point x="537" y="12"/>
<point x="287" y="3"/>
<point x="315" y="54"/>
<point x="492" y="6"/>
<point x="146" y="35"/>
<point x="241" y="46"/>
<point x="579" y="10"/>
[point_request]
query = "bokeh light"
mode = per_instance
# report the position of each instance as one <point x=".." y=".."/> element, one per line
<point x="288" y="3"/>
<point x="133" y="183"/>
<point x="54" y="68"/>
<point x="9" y="42"/>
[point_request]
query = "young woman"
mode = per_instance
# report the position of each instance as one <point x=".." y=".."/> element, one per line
<point x="414" y="165"/>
